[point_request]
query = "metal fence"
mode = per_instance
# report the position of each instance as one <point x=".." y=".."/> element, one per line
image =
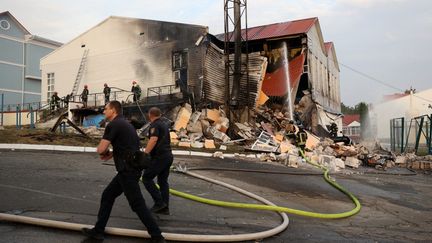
<point x="411" y="135"/>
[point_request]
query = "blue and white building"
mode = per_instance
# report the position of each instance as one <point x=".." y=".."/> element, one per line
<point x="20" y="54"/>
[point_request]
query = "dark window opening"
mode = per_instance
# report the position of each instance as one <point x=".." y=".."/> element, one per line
<point x="179" y="60"/>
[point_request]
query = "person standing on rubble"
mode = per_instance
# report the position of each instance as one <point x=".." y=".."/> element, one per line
<point x="159" y="148"/>
<point x="125" y="142"/>
<point x="107" y="92"/>
<point x="84" y="95"/>
<point x="136" y="90"/>
<point x="301" y="138"/>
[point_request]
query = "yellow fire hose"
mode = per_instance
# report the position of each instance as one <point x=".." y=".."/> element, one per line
<point x="276" y="208"/>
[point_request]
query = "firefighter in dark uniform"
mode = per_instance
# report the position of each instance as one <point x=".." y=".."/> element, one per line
<point x="84" y="95"/>
<point x="107" y="92"/>
<point x="159" y="148"/>
<point x="301" y="138"/>
<point x="333" y="129"/>
<point x="136" y="90"/>
<point x="55" y="101"/>
<point x="125" y="141"/>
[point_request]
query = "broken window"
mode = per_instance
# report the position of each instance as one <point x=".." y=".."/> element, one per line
<point x="179" y="60"/>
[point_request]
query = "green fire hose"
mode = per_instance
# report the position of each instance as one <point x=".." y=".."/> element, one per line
<point x="276" y="208"/>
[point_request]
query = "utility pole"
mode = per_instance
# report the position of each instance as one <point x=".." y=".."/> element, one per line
<point x="235" y="69"/>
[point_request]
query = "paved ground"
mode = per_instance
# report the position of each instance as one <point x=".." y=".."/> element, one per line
<point x="67" y="187"/>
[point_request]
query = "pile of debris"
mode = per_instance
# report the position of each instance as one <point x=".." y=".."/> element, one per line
<point x="200" y="129"/>
<point x="273" y="135"/>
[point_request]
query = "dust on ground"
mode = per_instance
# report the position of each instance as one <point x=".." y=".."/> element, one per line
<point x="44" y="136"/>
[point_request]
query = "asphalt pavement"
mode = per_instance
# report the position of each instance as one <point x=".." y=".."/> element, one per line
<point x="67" y="186"/>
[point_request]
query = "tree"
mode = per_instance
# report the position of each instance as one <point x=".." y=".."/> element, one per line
<point x="363" y="110"/>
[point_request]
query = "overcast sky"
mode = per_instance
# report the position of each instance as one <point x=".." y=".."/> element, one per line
<point x="388" y="41"/>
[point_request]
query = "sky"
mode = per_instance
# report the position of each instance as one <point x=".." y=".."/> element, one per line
<point x="383" y="46"/>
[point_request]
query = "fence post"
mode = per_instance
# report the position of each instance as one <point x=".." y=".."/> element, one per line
<point x="430" y="135"/>
<point x="2" y="100"/>
<point x="18" y="117"/>
<point x="32" y="125"/>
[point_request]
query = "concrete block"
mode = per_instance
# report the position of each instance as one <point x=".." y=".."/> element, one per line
<point x="182" y="119"/>
<point x="197" y="145"/>
<point x="209" y="144"/>
<point x="184" y="144"/>
<point x="401" y="160"/>
<point x="352" y="162"/>
<point x="325" y="160"/>
<point x="218" y="154"/>
<point x="173" y="135"/>
<point x="212" y="115"/>
<point x="339" y="163"/>
<point x="293" y="161"/>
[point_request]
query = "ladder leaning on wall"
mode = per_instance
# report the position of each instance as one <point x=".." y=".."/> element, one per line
<point x="80" y="72"/>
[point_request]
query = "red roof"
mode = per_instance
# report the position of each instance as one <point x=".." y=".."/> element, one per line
<point x="277" y="30"/>
<point x="348" y="119"/>
<point x="275" y="83"/>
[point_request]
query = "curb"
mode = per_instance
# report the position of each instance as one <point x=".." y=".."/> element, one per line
<point x="64" y="148"/>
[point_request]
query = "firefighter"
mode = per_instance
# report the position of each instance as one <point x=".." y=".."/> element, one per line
<point x="333" y="129"/>
<point x="55" y="101"/>
<point x="107" y="92"/>
<point x="136" y="90"/>
<point x="84" y="95"/>
<point x="301" y="138"/>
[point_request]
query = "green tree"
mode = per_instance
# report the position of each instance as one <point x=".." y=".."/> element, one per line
<point x="363" y="111"/>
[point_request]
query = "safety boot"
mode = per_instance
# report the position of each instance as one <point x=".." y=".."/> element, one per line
<point x="160" y="208"/>
<point x="93" y="233"/>
<point x="157" y="240"/>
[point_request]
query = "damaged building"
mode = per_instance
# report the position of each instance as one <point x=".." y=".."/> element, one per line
<point x="281" y="57"/>
<point x="311" y="72"/>
<point x="120" y="50"/>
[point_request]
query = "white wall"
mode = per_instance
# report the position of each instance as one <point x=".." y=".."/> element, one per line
<point x="318" y="66"/>
<point x="407" y="107"/>
<point x="120" y="50"/>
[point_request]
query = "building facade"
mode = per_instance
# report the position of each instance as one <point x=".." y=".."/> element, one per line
<point x="299" y="61"/>
<point x="120" y="50"/>
<point x="352" y="127"/>
<point x="20" y="54"/>
<point x="407" y="106"/>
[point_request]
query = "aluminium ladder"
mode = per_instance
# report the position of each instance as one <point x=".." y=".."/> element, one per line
<point x="80" y="72"/>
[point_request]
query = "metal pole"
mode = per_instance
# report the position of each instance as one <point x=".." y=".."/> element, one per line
<point x="403" y="134"/>
<point x="20" y="111"/>
<point x="237" y="54"/>
<point x="430" y="135"/>
<point x="32" y="125"/>
<point x="419" y="134"/>
<point x="17" y="117"/>
<point x="2" y="100"/>
<point x="392" y="142"/>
